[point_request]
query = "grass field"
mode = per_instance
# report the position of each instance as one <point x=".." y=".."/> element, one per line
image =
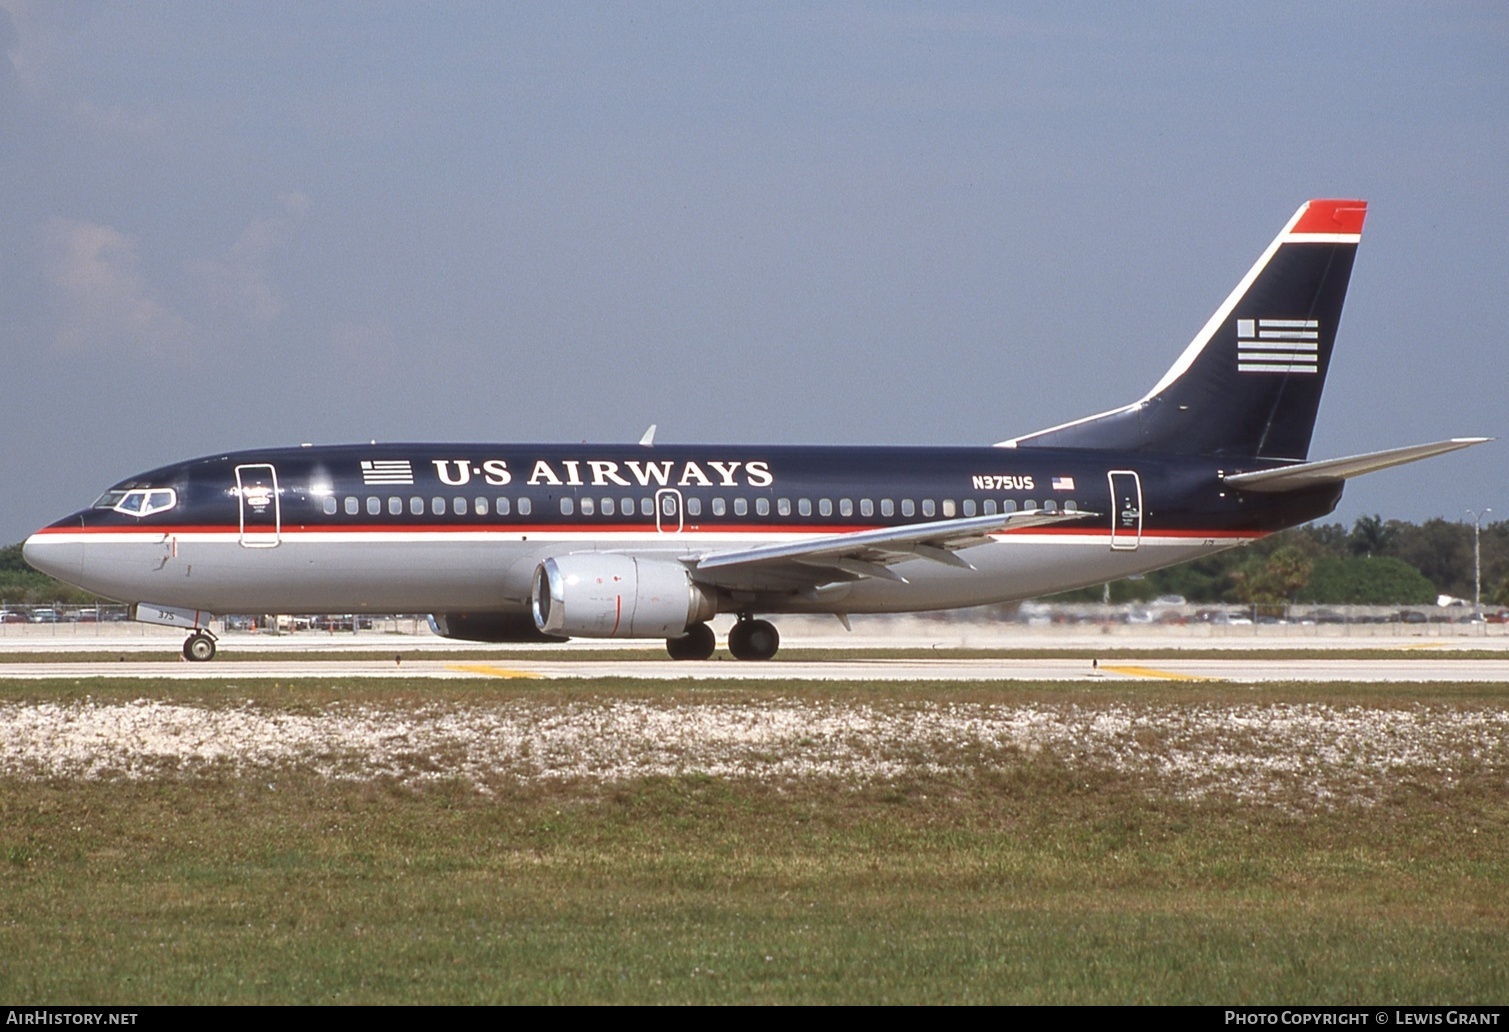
<point x="608" y="841"/>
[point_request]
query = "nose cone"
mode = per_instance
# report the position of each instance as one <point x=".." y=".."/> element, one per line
<point x="57" y="555"/>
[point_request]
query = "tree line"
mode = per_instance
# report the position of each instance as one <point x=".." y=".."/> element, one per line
<point x="1375" y="562"/>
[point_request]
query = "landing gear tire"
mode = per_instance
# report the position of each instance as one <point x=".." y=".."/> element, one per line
<point x="697" y="643"/>
<point x="200" y="648"/>
<point x="753" y="639"/>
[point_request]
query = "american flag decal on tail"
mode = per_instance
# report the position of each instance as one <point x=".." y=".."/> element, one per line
<point x="1278" y="346"/>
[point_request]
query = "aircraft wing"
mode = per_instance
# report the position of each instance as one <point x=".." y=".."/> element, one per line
<point x="808" y="562"/>
<point x="1313" y="474"/>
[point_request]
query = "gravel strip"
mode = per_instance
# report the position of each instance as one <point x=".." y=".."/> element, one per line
<point x="1307" y="754"/>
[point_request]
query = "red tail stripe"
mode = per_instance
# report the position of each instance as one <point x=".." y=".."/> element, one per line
<point x="1332" y="217"/>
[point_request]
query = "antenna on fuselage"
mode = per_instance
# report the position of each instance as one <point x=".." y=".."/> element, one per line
<point x="648" y="440"/>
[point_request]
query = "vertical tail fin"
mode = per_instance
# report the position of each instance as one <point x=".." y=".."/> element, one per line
<point x="1249" y="384"/>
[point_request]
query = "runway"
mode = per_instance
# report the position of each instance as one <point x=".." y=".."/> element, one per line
<point x="1436" y="667"/>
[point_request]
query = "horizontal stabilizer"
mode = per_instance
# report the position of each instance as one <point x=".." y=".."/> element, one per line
<point x="1314" y="474"/>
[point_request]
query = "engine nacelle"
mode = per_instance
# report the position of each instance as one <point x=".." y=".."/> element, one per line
<point x="618" y="596"/>
<point x="490" y="627"/>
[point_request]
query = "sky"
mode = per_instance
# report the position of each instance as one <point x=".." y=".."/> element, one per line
<point x="238" y="225"/>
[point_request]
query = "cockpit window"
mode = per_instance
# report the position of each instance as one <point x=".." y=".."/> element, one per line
<point x="139" y="503"/>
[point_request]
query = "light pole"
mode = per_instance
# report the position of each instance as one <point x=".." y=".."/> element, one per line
<point x="1477" y="563"/>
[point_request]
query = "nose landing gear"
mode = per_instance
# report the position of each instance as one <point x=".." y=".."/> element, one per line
<point x="200" y="647"/>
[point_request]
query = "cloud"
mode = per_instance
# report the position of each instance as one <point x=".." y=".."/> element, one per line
<point x="102" y="296"/>
<point x="240" y="280"/>
<point x="39" y="30"/>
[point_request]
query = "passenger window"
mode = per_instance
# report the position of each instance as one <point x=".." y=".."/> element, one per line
<point x="352" y="505"/>
<point x="329" y="505"/>
<point x="783" y="507"/>
<point x="395" y="506"/>
<point x="374" y="506"/>
<point x="741" y="507"/>
<point x="627" y="507"/>
<point x="525" y="506"/>
<point x="866" y="507"/>
<point x="647" y="506"/>
<point x="479" y="506"/>
<point x="1050" y="506"/>
<point x="989" y="506"/>
<point x="762" y="506"/>
<point x="1029" y="506"/>
<point x="416" y="506"/>
<point x="694" y="507"/>
<point x="501" y="507"/>
<point x="720" y="506"/>
<point x="607" y="507"/>
<point x="566" y="506"/>
<point x="437" y="505"/>
<point x="804" y="506"/>
<point x="588" y="508"/>
<point x="1071" y="506"/>
<point x="825" y="507"/>
<point x="887" y="507"/>
<point x="458" y="506"/>
<point x="846" y="507"/>
<point x="969" y="506"/>
<point x="908" y="507"/>
<point x="948" y="507"/>
<point x="928" y="508"/>
<point x="1008" y="506"/>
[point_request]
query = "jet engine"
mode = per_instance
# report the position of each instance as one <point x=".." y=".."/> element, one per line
<point x="490" y="627"/>
<point x="618" y="596"/>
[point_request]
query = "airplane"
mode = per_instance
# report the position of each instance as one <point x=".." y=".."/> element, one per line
<point x="532" y="543"/>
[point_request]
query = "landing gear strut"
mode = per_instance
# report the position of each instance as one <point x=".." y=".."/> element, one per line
<point x="697" y="643"/>
<point x="753" y="639"/>
<point x="200" y="647"/>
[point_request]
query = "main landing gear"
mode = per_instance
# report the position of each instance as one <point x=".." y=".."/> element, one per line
<point x="753" y="639"/>
<point x="747" y="639"/>
<point x="697" y="643"/>
<point x="200" y="647"/>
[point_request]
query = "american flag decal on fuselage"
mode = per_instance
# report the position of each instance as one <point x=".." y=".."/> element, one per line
<point x="387" y="471"/>
<point x="1278" y="345"/>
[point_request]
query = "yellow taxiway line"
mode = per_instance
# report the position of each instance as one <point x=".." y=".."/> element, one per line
<point x="1165" y="675"/>
<point x="490" y="671"/>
